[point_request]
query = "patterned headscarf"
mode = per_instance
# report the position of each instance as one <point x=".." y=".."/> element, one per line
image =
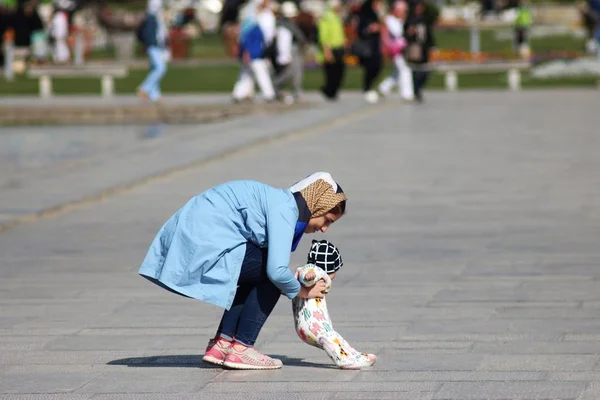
<point x="315" y="196"/>
<point x="320" y="192"/>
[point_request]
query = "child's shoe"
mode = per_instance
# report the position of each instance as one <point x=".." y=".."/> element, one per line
<point x="362" y="360"/>
<point x="216" y="351"/>
<point x="242" y="357"/>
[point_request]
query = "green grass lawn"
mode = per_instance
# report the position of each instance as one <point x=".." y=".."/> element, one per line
<point x="210" y="46"/>
<point x="221" y="79"/>
<point x="460" y="39"/>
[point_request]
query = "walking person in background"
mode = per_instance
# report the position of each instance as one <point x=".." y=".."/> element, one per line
<point x="393" y="46"/>
<point x="522" y="26"/>
<point x="59" y="33"/>
<point x="153" y="34"/>
<point x="257" y="32"/>
<point x="288" y="61"/>
<point x="26" y="22"/>
<point x="369" y="35"/>
<point x="419" y="36"/>
<point x="594" y="16"/>
<point x="590" y="20"/>
<point x="331" y="40"/>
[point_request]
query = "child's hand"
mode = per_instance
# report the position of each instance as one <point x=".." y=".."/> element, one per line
<point x="306" y="275"/>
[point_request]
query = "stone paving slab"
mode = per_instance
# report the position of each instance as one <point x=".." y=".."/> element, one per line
<point x="142" y="113"/>
<point x="79" y="171"/>
<point x="468" y="248"/>
<point x="76" y="110"/>
<point x="516" y="390"/>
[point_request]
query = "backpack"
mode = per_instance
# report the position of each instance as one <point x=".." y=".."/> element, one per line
<point x="139" y="31"/>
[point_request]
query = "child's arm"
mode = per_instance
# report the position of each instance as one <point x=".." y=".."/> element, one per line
<point x="309" y="275"/>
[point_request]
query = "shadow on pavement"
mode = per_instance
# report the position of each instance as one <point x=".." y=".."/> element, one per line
<point x="195" y="361"/>
<point x="298" y="362"/>
<point x="175" y="361"/>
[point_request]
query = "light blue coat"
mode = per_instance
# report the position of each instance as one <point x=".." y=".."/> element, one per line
<point x="199" y="251"/>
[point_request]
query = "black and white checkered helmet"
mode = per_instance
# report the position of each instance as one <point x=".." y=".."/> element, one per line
<point x="325" y="255"/>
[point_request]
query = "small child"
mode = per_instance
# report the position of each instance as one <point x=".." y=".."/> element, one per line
<point x="311" y="318"/>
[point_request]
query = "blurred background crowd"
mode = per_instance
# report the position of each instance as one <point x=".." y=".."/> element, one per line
<point x="390" y="43"/>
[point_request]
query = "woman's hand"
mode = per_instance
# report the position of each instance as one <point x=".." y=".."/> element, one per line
<point x="328" y="55"/>
<point x="315" y="292"/>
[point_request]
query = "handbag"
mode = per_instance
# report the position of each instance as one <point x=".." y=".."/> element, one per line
<point x="414" y="52"/>
<point x="361" y="48"/>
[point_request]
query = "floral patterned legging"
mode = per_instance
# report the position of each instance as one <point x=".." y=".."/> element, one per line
<point x="315" y="328"/>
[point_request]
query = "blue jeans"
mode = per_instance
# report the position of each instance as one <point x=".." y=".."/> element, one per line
<point x="254" y="300"/>
<point x="158" y="68"/>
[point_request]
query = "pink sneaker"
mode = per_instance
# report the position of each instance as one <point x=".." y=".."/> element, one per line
<point x="216" y="351"/>
<point x="242" y="357"/>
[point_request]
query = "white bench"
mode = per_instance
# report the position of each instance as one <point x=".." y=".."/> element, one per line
<point x="106" y="72"/>
<point x="451" y="70"/>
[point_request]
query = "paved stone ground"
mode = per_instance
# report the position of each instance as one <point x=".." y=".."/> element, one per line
<point x="116" y="100"/>
<point x="470" y="247"/>
<point x="69" y="110"/>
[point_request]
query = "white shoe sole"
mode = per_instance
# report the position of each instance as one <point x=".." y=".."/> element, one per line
<point x="233" y="365"/>
<point x="212" y="360"/>
<point x="359" y="365"/>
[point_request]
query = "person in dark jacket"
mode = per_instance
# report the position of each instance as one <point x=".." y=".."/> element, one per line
<point x="230" y="12"/>
<point x="594" y="11"/>
<point x="369" y="35"/>
<point x="419" y="36"/>
<point x="26" y="21"/>
<point x="153" y="35"/>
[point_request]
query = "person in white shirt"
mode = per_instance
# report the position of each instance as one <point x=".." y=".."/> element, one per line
<point x="59" y="31"/>
<point x="266" y="20"/>
<point x="393" y="46"/>
<point x="289" y="64"/>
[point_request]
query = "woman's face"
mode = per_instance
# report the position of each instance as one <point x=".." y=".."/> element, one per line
<point x="321" y="224"/>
